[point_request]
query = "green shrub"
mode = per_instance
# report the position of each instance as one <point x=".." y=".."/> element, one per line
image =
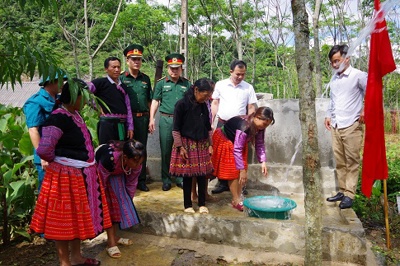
<point x="18" y="177"/>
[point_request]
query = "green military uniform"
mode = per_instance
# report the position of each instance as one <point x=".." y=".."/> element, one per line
<point x="168" y="93"/>
<point x="140" y="95"/>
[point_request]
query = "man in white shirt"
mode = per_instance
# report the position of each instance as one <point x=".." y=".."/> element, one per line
<point x="344" y="118"/>
<point x="232" y="97"/>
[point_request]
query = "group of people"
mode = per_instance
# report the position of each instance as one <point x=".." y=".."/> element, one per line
<point x="84" y="191"/>
<point x="205" y="129"/>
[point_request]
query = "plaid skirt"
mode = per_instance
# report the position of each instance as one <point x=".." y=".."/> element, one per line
<point x="198" y="162"/>
<point x="223" y="159"/>
<point x="122" y="209"/>
<point x="71" y="204"/>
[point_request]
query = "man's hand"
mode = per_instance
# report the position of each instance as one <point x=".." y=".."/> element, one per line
<point x="327" y="123"/>
<point x="152" y="126"/>
<point x="361" y="119"/>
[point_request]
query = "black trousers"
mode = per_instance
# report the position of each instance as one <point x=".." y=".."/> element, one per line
<point x="187" y="191"/>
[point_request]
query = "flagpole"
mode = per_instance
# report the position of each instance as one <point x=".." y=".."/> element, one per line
<point x="386" y="208"/>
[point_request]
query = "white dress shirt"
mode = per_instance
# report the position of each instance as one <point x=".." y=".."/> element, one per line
<point x="347" y="96"/>
<point x="233" y="100"/>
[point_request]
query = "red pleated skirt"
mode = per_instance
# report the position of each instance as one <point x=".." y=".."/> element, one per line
<point x="198" y="163"/>
<point x="62" y="210"/>
<point x="223" y="159"/>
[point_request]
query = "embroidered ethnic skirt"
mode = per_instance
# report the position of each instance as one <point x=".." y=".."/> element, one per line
<point x="198" y="162"/>
<point x="122" y="209"/>
<point x="71" y="204"/>
<point x="223" y="159"/>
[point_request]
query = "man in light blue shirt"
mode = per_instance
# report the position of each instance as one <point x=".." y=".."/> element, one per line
<point x="344" y="118"/>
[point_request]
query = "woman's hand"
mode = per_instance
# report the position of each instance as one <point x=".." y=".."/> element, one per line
<point x="183" y="152"/>
<point x="264" y="169"/>
<point x="243" y="177"/>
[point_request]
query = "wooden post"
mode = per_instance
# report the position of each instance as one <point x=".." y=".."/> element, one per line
<point x="183" y="44"/>
<point x="386" y="208"/>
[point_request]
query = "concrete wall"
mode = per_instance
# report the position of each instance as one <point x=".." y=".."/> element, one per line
<point x="284" y="150"/>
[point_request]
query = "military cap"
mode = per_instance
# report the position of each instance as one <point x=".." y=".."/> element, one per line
<point x="175" y="60"/>
<point x="134" y="50"/>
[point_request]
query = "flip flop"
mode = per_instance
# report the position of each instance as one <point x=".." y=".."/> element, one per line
<point x="189" y="210"/>
<point x="203" y="210"/>
<point x="89" y="262"/>
<point x="238" y="206"/>
<point x="124" y="241"/>
<point x="114" y="252"/>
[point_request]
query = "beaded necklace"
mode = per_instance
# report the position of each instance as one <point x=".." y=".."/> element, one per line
<point x="127" y="172"/>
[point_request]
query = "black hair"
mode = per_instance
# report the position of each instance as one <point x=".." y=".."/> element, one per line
<point x="78" y="84"/>
<point x="111" y="58"/>
<point x="342" y="48"/>
<point x="238" y="63"/>
<point x="131" y="148"/>
<point x="262" y="113"/>
<point x="203" y="84"/>
<point x="265" y="113"/>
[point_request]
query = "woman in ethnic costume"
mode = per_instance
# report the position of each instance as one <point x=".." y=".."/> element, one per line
<point x="230" y="149"/>
<point x="71" y="206"/>
<point x="120" y="164"/>
<point x="192" y="149"/>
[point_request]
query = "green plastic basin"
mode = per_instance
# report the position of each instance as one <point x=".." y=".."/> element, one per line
<point x="269" y="207"/>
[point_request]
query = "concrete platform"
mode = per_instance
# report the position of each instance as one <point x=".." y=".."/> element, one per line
<point x="223" y="228"/>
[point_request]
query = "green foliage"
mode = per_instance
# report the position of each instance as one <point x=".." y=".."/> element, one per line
<point x="371" y="209"/>
<point x="17" y="174"/>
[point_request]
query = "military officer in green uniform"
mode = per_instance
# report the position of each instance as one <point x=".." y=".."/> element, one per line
<point x="167" y="92"/>
<point x="140" y="94"/>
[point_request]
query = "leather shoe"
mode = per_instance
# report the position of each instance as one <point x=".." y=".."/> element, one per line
<point x="219" y="189"/>
<point x="337" y="197"/>
<point x="179" y="185"/>
<point x="346" y="203"/>
<point x="166" y="187"/>
<point x="143" y="187"/>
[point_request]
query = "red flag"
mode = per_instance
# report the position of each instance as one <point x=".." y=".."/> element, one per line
<point x="381" y="62"/>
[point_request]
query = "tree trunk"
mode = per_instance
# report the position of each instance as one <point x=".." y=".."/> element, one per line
<point x="311" y="162"/>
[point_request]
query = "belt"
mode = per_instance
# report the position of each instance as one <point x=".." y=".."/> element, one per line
<point x="140" y="114"/>
<point x="113" y="119"/>
<point x="165" y="114"/>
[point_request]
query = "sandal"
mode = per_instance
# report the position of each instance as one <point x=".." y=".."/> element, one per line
<point x="89" y="262"/>
<point x="189" y="210"/>
<point x="124" y="241"/>
<point x="238" y="206"/>
<point x="114" y="252"/>
<point x="203" y="210"/>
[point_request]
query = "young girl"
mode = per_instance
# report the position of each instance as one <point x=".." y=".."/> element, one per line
<point x="191" y="153"/>
<point x="71" y="206"/>
<point x="120" y="164"/>
<point x="230" y="149"/>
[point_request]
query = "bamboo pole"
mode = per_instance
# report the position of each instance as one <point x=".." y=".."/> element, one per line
<point x="386" y="208"/>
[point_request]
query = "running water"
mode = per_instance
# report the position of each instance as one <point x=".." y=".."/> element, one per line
<point x="293" y="157"/>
